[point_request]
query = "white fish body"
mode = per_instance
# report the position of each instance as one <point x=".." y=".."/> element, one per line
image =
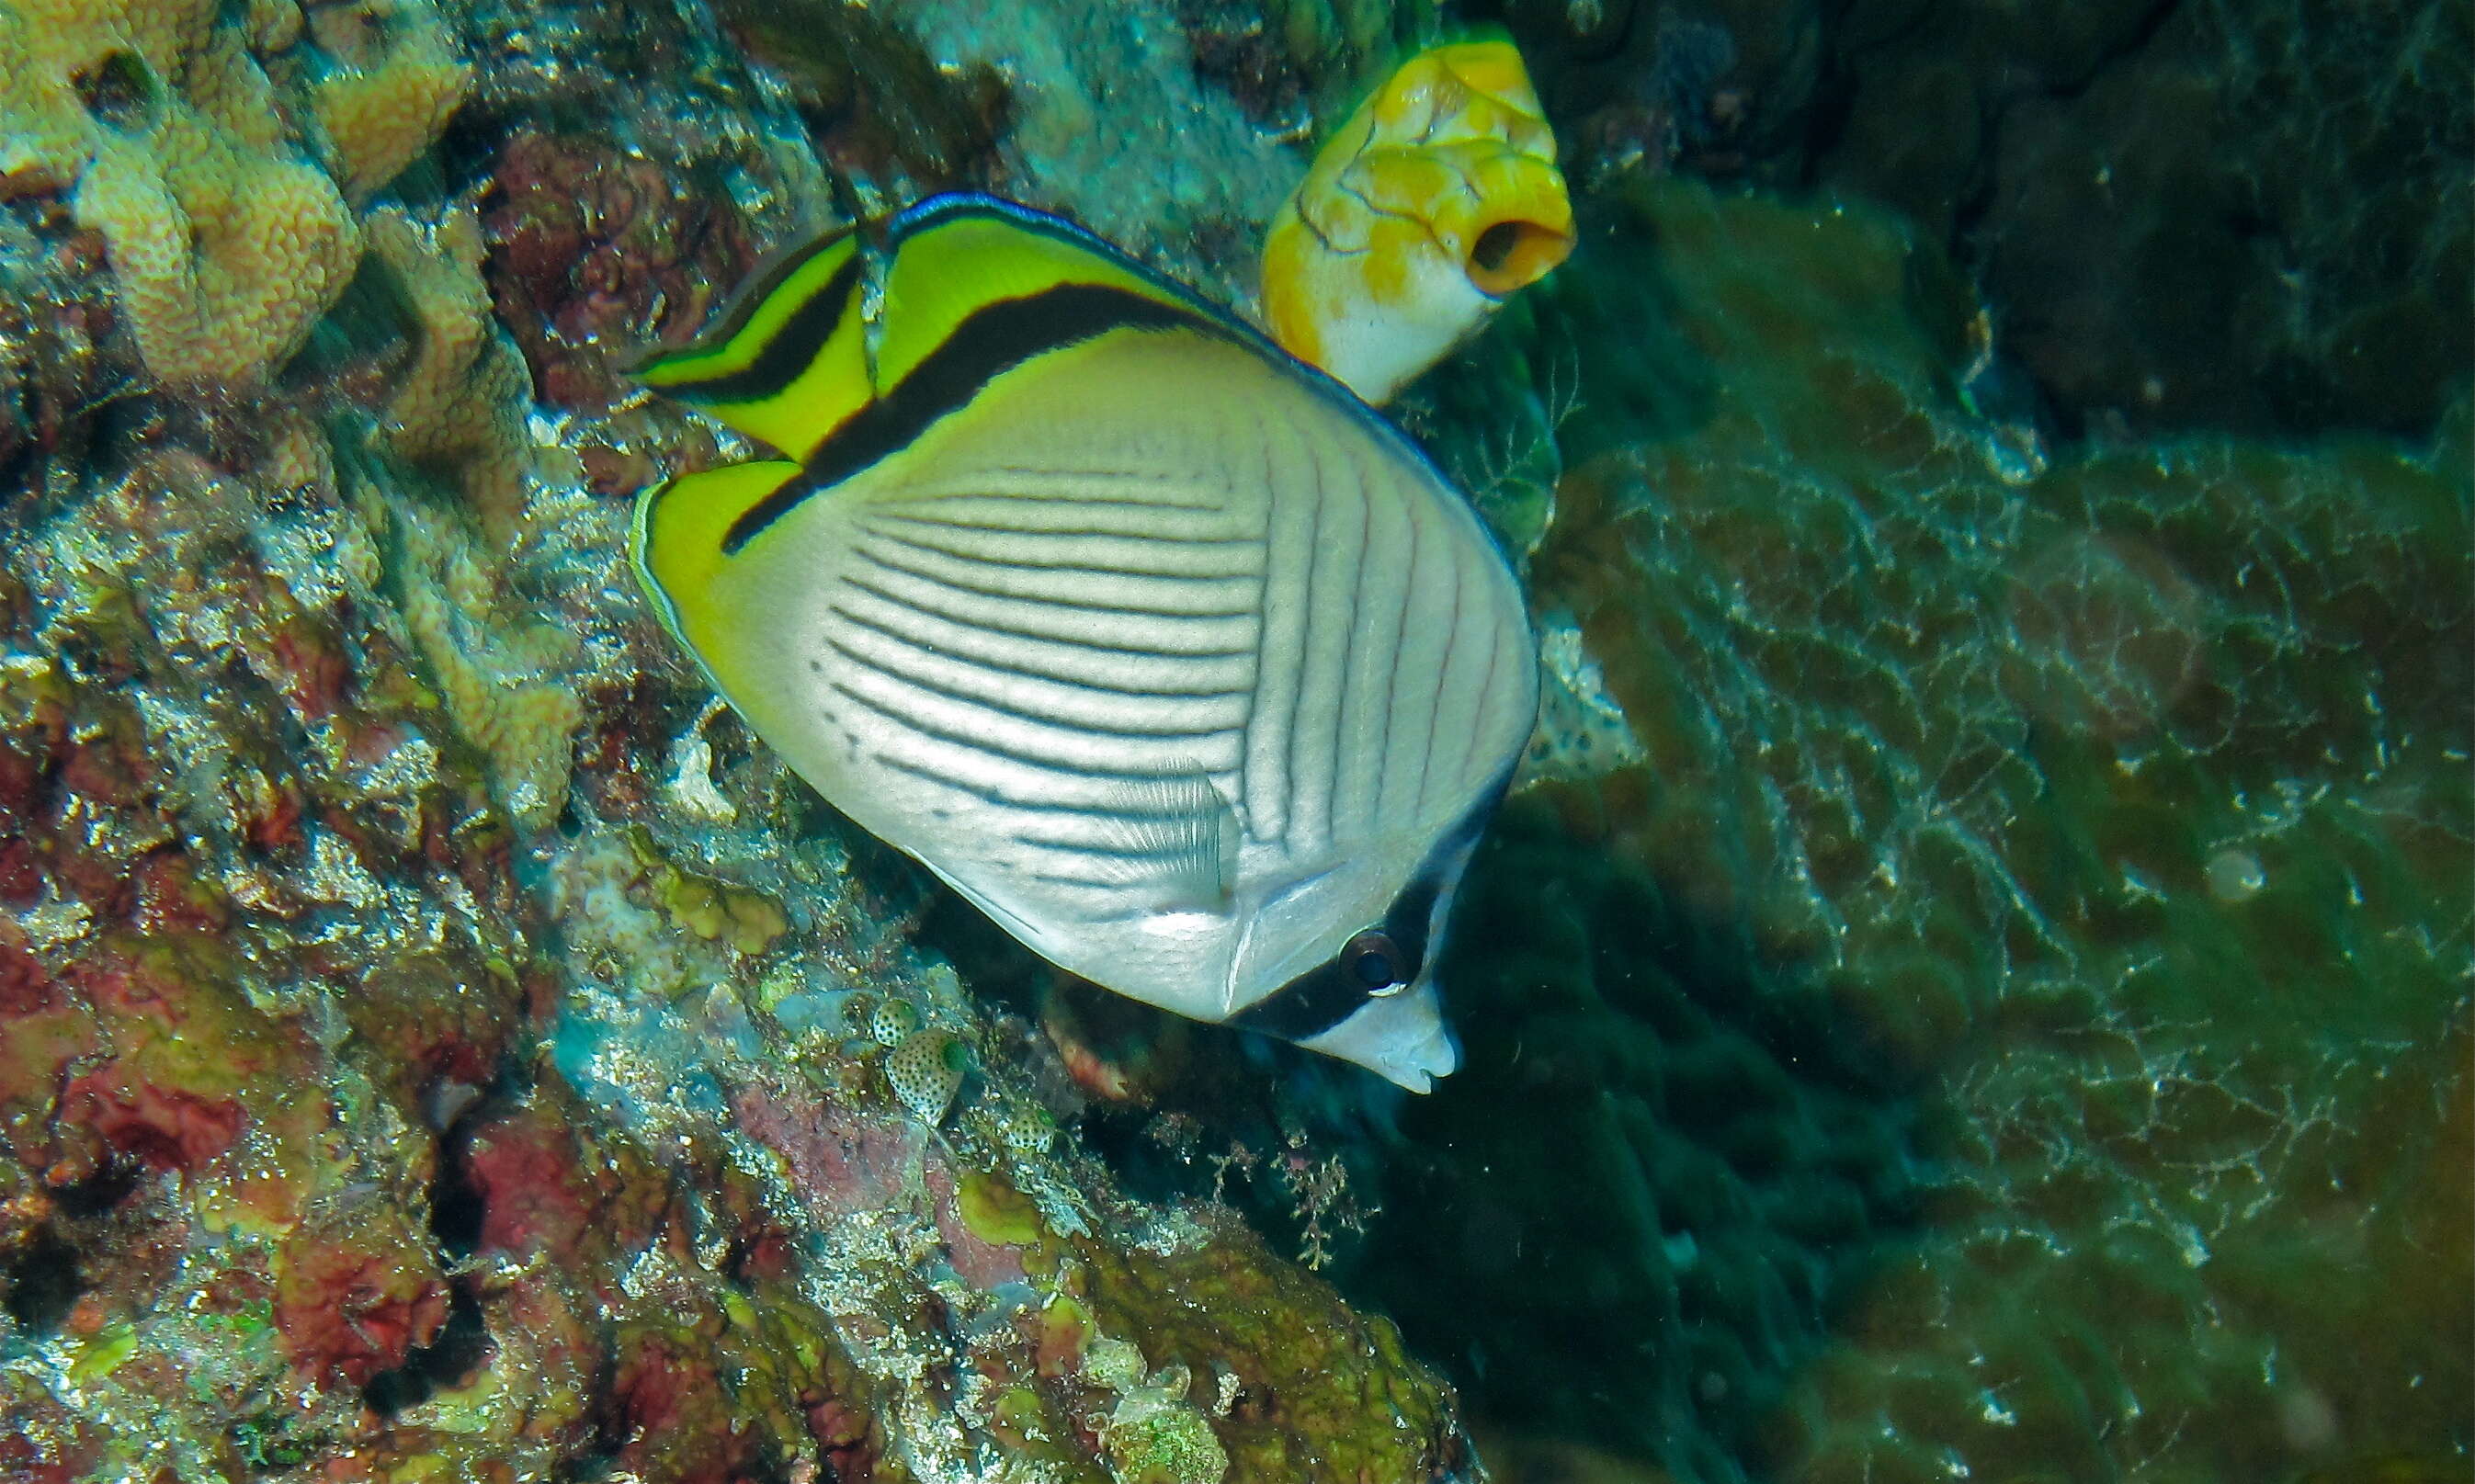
<point x="1157" y="646"/>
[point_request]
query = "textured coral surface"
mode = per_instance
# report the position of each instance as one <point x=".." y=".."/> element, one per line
<point x="2015" y="1020"/>
<point x="221" y="157"/>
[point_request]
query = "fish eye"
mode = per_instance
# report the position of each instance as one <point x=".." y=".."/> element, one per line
<point x="1375" y="961"/>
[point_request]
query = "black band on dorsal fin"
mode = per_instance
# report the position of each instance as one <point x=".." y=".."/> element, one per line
<point x="993" y="341"/>
<point x="792" y="347"/>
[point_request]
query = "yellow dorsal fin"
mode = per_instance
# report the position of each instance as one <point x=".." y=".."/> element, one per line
<point x="957" y="256"/>
<point x="677" y="548"/>
<point x="787" y="362"/>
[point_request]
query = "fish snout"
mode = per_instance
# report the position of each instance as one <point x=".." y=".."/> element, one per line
<point x="1401" y="1038"/>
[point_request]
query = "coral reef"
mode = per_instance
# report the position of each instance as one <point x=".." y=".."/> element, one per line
<point x="59" y="356"/>
<point x="433" y="1043"/>
<point x="224" y="259"/>
<point x="593" y="254"/>
<point x="1288" y="62"/>
<point x="505" y="675"/>
<point x="2186" y="216"/>
<point x="1977" y="983"/>
<point x="1095" y="85"/>
<point x="396" y="75"/>
<point x="459" y="403"/>
<point x="882" y="110"/>
<point x="2313" y="162"/>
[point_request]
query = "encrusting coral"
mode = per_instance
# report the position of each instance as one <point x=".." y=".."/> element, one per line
<point x="456" y="415"/>
<point x="59" y="51"/>
<point x="396" y="75"/>
<point x="229" y="230"/>
<point x="457" y="410"/>
<point x="224" y="254"/>
<point x="504" y="673"/>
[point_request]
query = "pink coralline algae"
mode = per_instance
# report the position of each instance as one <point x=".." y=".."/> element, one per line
<point x="595" y="253"/>
<point x="138" y="1055"/>
<point x="355" y="1297"/>
<point x="669" y="1400"/>
<point x="541" y="1190"/>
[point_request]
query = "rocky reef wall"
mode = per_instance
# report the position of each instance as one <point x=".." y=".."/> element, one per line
<point x="435" y="1044"/>
<point x="2188" y="214"/>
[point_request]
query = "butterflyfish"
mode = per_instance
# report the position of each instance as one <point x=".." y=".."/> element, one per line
<point x="1438" y="199"/>
<point x="1157" y="644"/>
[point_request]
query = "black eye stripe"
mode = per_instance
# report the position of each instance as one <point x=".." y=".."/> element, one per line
<point x="1306" y="1006"/>
<point x="1333" y="990"/>
<point x="1329" y="993"/>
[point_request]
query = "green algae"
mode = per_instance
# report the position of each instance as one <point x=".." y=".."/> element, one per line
<point x="1346" y="1411"/>
<point x="103" y="1354"/>
<point x="996" y="1212"/>
<point x="2072" y="837"/>
<point x="1164" y="1443"/>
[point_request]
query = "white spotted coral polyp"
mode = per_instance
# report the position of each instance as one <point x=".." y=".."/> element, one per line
<point x="1434" y="201"/>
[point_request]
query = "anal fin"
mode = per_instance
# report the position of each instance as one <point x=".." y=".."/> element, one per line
<point x="1177" y="840"/>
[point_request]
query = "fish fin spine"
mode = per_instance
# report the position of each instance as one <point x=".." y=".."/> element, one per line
<point x="1184" y="834"/>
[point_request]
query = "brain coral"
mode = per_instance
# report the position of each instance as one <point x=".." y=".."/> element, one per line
<point x="230" y="233"/>
<point x="2110" y="802"/>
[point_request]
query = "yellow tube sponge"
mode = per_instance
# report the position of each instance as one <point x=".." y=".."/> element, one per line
<point x="1438" y="199"/>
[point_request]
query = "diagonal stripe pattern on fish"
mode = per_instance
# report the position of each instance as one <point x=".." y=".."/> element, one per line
<point x="1157" y="644"/>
